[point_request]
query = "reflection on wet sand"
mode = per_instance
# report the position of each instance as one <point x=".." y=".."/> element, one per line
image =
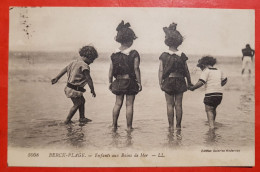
<point x="174" y="140"/>
<point x="247" y="96"/>
<point x="129" y="138"/>
<point x="75" y="135"/>
<point x="211" y="137"/>
<point x="116" y="139"/>
<point x="40" y="125"/>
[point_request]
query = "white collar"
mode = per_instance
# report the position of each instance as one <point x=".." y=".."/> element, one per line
<point x="125" y="51"/>
<point x="176" y="52"/>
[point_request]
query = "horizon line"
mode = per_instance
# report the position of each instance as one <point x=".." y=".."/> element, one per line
<point x="103" y="52"/>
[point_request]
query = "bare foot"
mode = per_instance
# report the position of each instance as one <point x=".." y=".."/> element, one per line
<point x="84" y="120"/>
<point x="178" y="127"/>
<point x="68" y="122"/>
<point x="129" y="128"/>
<point x="171" y="129"/>
<point x="114" y="128"/>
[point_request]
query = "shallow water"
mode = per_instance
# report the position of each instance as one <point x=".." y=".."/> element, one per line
<point x="37" y="109"/>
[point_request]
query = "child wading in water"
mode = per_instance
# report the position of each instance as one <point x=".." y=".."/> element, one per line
<point x="124" y="68"/>
<point x="78" y="76"/>
<point x="214" y="80"/>
<point x="247" y="59"/>
<point x="173" y="70"/>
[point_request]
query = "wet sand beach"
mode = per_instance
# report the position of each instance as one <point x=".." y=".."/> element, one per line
<point x="37" y="109"/>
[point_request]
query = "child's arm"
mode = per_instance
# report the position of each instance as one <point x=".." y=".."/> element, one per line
<point x="110" y="75"/>
<point x="160" y="73"/>
<point x="138" y="73"/>
<point x="223" y="79"/>
<point x="90" y="82"/>
<point x="197" y="85"/>
<point x="223" y="82"/>
<point x="188" y="74"/>
<point x="62" y="72"/>
<point x="253" y="52"/>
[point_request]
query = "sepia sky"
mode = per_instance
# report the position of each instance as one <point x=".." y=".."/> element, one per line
<point x="205" y="31"/>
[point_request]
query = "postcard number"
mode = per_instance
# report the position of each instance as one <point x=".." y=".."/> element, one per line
<point x="33" y="155"/>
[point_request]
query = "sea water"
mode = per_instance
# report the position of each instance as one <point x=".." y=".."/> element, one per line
<point x="37" y="109"/>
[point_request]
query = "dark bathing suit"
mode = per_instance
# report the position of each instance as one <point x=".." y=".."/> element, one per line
<point x="248" y="52"/>
<point x="173" y="63"/>
<point x="123" y="65"/>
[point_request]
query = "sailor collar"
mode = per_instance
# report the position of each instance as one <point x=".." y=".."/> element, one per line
<point x="178" y="53"/>
<point x="126" y="51"/>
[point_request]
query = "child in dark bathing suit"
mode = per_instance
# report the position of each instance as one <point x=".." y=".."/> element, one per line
<point x="173" y="70"/>
<point x="124" y="68"/>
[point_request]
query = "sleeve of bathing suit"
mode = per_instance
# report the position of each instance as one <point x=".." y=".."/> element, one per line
<point x="204" y="76"/>
<point x="223" y="77"/>
<point x="184" y="57"/>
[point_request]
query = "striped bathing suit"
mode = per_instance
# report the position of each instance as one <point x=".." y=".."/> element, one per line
<point x="212" y="78"/>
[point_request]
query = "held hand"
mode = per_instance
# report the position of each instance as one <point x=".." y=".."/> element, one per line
<point x="93" y="93"/>
<point x="140" y="87"/>
<point x="191" y="88"/>
<point x="190" y="85"/>
<point x="161" y="86"/>
<point x="54" y="81"/>
<point x="110" y="86"/>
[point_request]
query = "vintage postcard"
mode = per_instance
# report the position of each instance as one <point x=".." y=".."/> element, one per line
<point x="131" y="87"/>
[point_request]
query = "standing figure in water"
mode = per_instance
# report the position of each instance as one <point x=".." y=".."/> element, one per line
<point x="124" y="67"/>
<point x="173" y="70"/>
<point x="78" y="73"/>
<point x="214" y="80"/>
<point x="247" y="58"/>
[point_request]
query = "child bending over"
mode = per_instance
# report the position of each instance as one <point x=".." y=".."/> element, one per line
<point x="78" y="73"/>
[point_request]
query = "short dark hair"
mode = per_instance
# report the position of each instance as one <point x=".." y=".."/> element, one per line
<point x="248" y="46"/>
<point x="89" y="52"/>
<point x="207" y="60"/>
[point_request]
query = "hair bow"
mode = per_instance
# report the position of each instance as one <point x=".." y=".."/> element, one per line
<point x="122" y="25"/>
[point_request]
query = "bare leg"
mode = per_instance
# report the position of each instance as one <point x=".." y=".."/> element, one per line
<point x="82" y="117"/>
<point x="129" y="110"/>
<point x="73" y="110"/>
<point x="82" y="108"/>
<point x="170" y="109"/>
<point x="117" y="108"/>
<point x="210" y="115"/>
<point x="214" y="113"/>
<point x="243" y="70"/>
<point x="178" y="108"/>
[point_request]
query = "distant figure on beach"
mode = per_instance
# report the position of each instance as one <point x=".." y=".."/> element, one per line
<point x="78" y="73"/>
<point x="247" y="58"/>
<point x="214" y="80"/>
<point x="124" y="67"/>
<point x="173" y="70"/>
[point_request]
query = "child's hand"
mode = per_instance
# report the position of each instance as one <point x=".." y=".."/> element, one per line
<point x="110" y="86"/>
<point x="161" y="86"/>
<point x="191" y="88"/>
<point x="190" y="85"/>
<point x="54" y="81"/>
<point x="140" y="87"/>
<point x="93" y="93"/>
